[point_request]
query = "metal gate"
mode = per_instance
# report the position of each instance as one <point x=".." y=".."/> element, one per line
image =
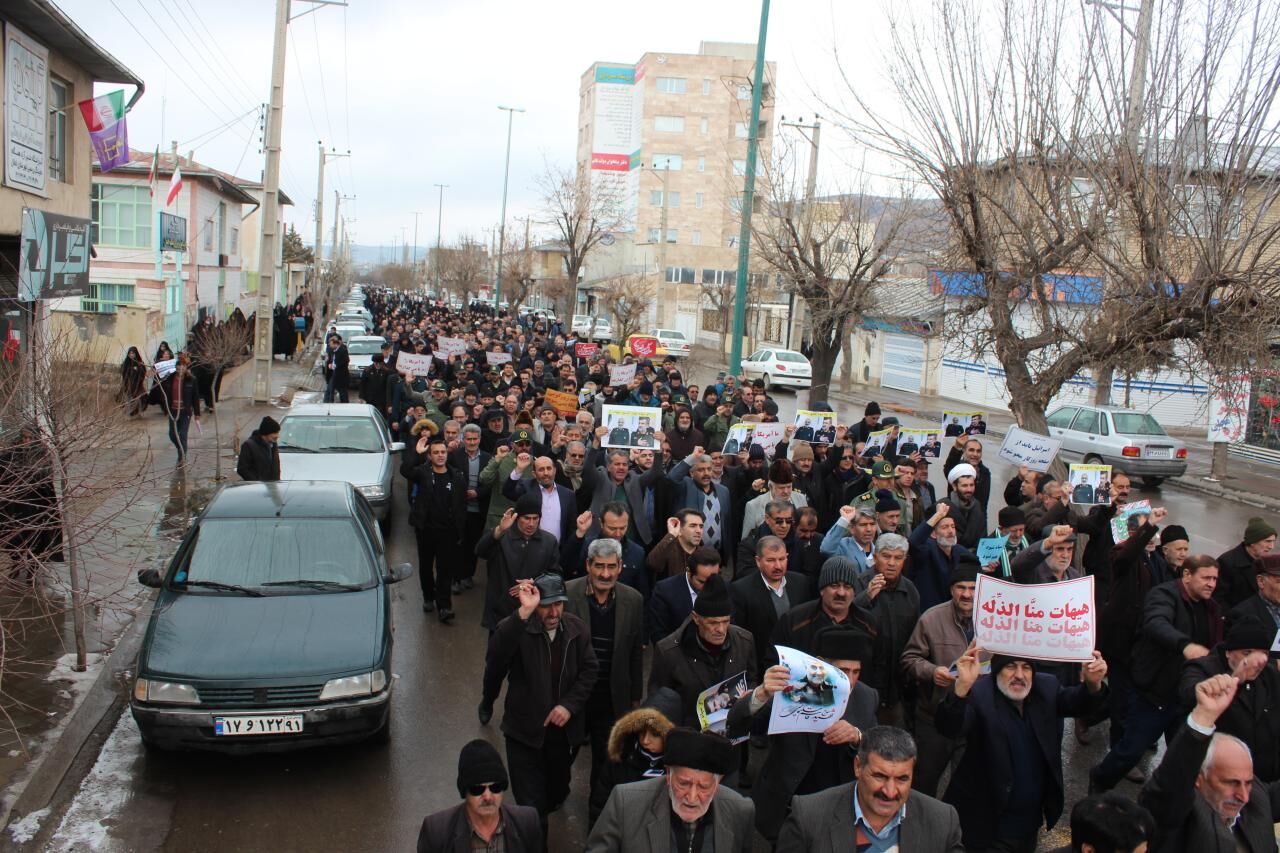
<point x="903" y="363"/>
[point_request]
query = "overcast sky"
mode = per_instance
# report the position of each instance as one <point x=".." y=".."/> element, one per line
<point x="412" y="88"/>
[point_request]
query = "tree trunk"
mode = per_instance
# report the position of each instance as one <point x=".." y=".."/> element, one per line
<point x="1030" y="416"/>
<point x="823" y="362"/>
<point x="846" y="370"/>
<point x="72" y="555"/>
<point x="1102" y="393"/>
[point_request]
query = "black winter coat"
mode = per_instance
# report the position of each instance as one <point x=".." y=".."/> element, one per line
<point x="1237" y="577"/>
<point x="424" y="477"/>
<point x="1253" y="715"/>
<point x="258" y="460"/>
<point x="1131" y="580"/>
<point x="1170" y="622"/>
<point x="681" y="663"/>
<point x="511" y="557"/>
<point x="449" y="832"/>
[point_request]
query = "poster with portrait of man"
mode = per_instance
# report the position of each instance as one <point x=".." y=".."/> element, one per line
<point x="714" y="703"/>
<point x="739" y="438"/>
<point x="1089" y="485"/>
<point x="815" y="427"/>
<point x="814" y="698"/>
<point x="922" y="441"/>
<point x="632" y="427"/>
<point x="956" y="424"/>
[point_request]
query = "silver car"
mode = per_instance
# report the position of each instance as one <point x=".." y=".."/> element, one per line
<point x="1122" y="438"/>
<point x="341" y="441"/>
<point x="361" y="349"/>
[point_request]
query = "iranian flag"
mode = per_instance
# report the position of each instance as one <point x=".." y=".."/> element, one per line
<point x="155" y="170"/>
<point x="104" y="116"/>
<point x="175" y="185"/>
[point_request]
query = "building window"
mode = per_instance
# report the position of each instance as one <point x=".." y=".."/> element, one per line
<point x="696" y="238"/>
<point x="679" y="275"/>
<point x="235" y="241"/>
<point x="59" y="99"/>
<point x="740" y="129"/>
<point x="739" y="167"/>
<point x="697" y="200"/>
<point x="106" y="298"/>
<point x="744" y="91"/>
<point x="673" y="199"/>
<point x="704" y="126"/>
<point x="706" y="85"/>
<point x="671" y="235"/>
<point x="702" y="164"/>
<point x="674" y="162"/>
<point x="121" y="215"/>
<point x="208" y="234"/>
<point x="1199" y="211"/>
<point x="718" y="277"/>
<point x="668" y="124"/>
<point x="655" y="198"/>
<point x="672" y="85"/>
<point x="652" y="235"/>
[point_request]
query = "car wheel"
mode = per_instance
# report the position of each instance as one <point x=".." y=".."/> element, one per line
<point x="765" y="379"/>
<point x="153" y="746"/>
<point x="1092" y="460"/>
<point x="1152" y="482"/>
<point x="382" y="736"/>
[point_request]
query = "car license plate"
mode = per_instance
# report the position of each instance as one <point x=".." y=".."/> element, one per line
<point x="1159" y="453"/>
<point x="285" y="724"/>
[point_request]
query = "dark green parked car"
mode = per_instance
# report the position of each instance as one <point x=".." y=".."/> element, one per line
<point x="272" y="629"/>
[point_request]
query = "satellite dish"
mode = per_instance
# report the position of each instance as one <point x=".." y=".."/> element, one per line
<point x="606" y="239"/>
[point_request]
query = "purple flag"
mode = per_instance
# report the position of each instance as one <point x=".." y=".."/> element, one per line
<point x="111" y="144"/>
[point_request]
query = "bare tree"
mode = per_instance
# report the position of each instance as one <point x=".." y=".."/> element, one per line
<point x="1075" y="242"/>
<point x="217" y="349"/>
<point x="561" y="292"/>
<point x="517" y="272"/>
<point x="462" y="268"/>
<point x="582" y="216"/>
<point x="626" y="299"/>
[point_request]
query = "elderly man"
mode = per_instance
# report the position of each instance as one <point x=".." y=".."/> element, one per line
<point x="695" y="489"/>
<point x="1238" y="568"/>
<point x="1050" y="507"/>
<point x="893" y="605"/>
<point x="1203" y="795"/>
<point x="1009" y="782"/>
<point x="800" y="762"/>
<point x="935" y="553"/>
<point x="545" y="655"/>
<point x="687" y="809"/>
<point x="779" y="522"/>
<point x="673" y="598"/>
<point x="879" y="810"/>
<point x="762" y="596"/>
<point x="853" y="536"/>
<point x="483" y="816"/>
<point x="1049" y="560"/>
<point x="515" y="549"/>
<point x="614" y="613"/>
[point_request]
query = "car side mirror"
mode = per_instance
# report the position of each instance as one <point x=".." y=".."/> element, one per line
<point x="397" y="446"/>
<point x="399" y="572"/>
<point x="150" y="577"/>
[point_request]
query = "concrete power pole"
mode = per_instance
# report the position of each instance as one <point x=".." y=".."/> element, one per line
<point x="502" y="223"/>
<point x="318" y="256"/>
<point x="810" y="190"/>
<point x="439" y="221"/>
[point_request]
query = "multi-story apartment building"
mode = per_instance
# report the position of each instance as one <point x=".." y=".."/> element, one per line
<point x="666" y="137"/>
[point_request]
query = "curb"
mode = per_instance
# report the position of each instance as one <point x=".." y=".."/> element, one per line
<point x="1217" y="490"/>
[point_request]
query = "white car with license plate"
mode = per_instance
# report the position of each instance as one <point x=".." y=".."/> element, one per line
<point x="778" y="368"/>
<point x="672" y="342"/>
<point x="1122" y="438"/>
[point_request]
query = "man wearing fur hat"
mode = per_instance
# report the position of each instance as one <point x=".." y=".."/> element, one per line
<point x="259" y="457"/>
<point x="482" y="818"/>
<point x="687" y="809"/>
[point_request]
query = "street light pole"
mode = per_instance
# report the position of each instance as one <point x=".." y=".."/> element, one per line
<point x="439" y="220"/>
<point x="416" y="214"/>
<point x="502" y="223"/>
<point x="810" y="190"/>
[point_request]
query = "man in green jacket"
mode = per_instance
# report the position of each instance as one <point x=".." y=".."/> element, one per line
<point x="716" y="428"/>
<point x="499" y="470"/>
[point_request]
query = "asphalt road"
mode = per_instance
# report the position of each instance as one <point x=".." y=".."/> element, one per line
<point x="364" y="797"/>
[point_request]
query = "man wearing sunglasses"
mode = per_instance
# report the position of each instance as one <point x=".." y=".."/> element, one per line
<point x="483" y="821"/>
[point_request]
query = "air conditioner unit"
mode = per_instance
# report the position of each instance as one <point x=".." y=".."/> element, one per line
<point x="224" y="260"/>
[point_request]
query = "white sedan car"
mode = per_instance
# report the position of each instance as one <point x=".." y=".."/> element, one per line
<point x="778" y="368"/>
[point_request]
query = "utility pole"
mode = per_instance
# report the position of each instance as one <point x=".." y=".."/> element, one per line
<point x="439" y="220"/>
<point x="502" y="224"/>
<point x="416" y="214"/>
<point x="748" y="198"/>
<point x="810" y="190"/>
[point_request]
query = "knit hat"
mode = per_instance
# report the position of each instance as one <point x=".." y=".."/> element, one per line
<point x="837" y="570"/>
<point x="646" y="388"/>
<point x="873" y="408"/>
<point x="756" y="452"/>
<point x="801" y="451"/>
<point x="493" y="413"/>
<point x="1248" y="632"/>
<point x="530" y="503"/>
<point x="836" y="642"/>
<point x="965" y="570"/>
<point x="695" y="750"/>
<point x="268" y="426"/>
<point x="889" y="422"/>
<point x="1256" y="530"/>
<point x="713" y="601"/>
<point x="964" y="469"/>
<point x="780" y="472"/>
<point x="1174" y="533"/>
<point x="999" y="662"/>
<point x="1011" y="516"/>
<point x="885" y="501"/>
<point x="478" y="764"/>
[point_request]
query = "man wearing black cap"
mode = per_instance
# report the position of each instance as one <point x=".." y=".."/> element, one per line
<point x="482" y="821"/>
<point x="799" y="762"/>
<point x="705" y="652"/>
<point x="1011" y="523"/>
<point x="515" y="548"/>
<point x="870" y="423"/>
<point x="546" y="657"/>
<point x="1009" y="782"/>
<point x="687" y="809"/>
<point x="1238" y="568"/>
<point x="373" y="383"/>
<point x="780" y="487"/>
<point x="1264" y="605"/>
<point x="259" y="457"/>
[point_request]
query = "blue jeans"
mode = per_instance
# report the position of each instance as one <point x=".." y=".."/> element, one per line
<point x="333" y="389"/>
<point x="178" y="427"/>
<point x="1142" y="728"/>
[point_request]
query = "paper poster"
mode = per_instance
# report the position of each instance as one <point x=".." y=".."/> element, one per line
<point x="414" y="363"/>
<point x="767" y="436"/>
<point x="1275" y="644"/>
<point x="622" y="374"/>
<point x="1090" y="485"/>
<point x="955" y="424"/>
<point x="815" y="427"/>
<point x="642" y="346"/>
<point x="566" y="403"/>
<point x="496" y="358"/>
<point x="1023" y="447"/>
<point x="715" y="701"/>
<point x="815" y="696"/>
<point x="1120" y="523"/>
<point x="875" y="443"/>
<point x="1229" y="408"/>
<point x="739" y="438"/>
<point x="990" y="549"/>
<point x="166" y="367"/>
<point x="585" y="350"/>
<point x="922" y="441"/>
<point x="447" y="348"/>
<point x="1044" y="621"/>
<point x="632" y="426"/>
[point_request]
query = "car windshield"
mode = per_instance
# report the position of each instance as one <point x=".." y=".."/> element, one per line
<point x="1131" y="423"/>
<point x="675" y="336"/>
<point x="790" y="357"/>
<point x="257" y="552"/>
<point x="328" y="434"/>
<point x="364" y="347"/>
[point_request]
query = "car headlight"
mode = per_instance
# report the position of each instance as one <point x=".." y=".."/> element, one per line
<point x="168" y="692"/>
<point x="365" y="684"/>
<point x="372" y="491"/>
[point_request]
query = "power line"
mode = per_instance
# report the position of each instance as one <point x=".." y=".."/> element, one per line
<point x="205" y="57"/>
<point x="215" y="132"/>
<point x="324" y="92"/>
<point x="217" y="46"/>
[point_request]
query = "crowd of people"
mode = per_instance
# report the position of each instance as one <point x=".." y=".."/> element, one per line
<point x="622" y="585"/>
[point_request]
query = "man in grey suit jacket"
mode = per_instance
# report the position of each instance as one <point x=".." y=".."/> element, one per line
<point x="669" y="813"/>
<point x="695" y="489"/>
<point x="879" y="803"/>
<point x="615" y="614"/>
<point x="604" y="482"/>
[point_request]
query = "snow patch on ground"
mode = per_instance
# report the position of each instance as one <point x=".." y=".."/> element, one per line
<point x="24" y="830"/>
<point x="64" y="669"/>
<point x="102" y="794"/>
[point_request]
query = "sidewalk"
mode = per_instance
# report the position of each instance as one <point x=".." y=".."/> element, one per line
<point x="60" y="709"/>
<point x="1248" y="482"/>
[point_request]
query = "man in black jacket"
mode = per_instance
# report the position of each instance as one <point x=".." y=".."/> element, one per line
<point x="1238" y="568"/>
<point x="438" y="518"/>
<point x="336" y="374"/>
<point x="1265" y="605"/>
<point x="546" y="658"/>
<point x="373" y="384"/>
<point x="515" y="549"/>
<point x="673" y="597"/>
<point x="482" y="814"/>
<point x="761" y="596"/>
<point x="259" y="457"/>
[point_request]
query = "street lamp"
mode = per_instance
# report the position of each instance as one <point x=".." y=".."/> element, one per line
<point x="439" y="220"/>
<point x="502" y="223"/>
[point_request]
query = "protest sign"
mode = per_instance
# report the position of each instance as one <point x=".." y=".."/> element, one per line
<point x="767" y="436"/>
<point x="566" y="403"/>
<point x="715" y="701"/>
<point x="413" y="363"/>
<point x="956" y="424"/>
<point x="1120" y="522"/>
<point x="585" y="350"/>
<point x="1229" y="408"/>
<point x="739" y="438"/>
<point x="815" y="427"/>
<point x="922" y="441"/>
<point x="632" y="426"/>
<point x="166" y="367"/>
<point x="497" y="357"/>
<point x="1089" y="485"/>
<point x="815" y="696"/>
<point x="876" y="442"/>
<point x="990" y="549"/>
<point x="447" y="348"/>
<point x="1043" y="621"/>
<point x="1023" y="447"/>
<point x="642" y="346"/>
<point x="622" y="374"/>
